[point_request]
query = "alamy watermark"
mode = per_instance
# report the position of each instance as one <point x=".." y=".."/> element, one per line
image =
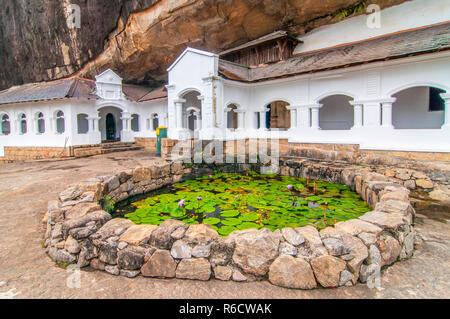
<point x="73" y="16"/>
<point x="374" y="18"/>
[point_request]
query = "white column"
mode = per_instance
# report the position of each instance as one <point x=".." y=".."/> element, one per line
<point x="386" y="113"/>
<point x="262" y="119"/>
<point x="179" y="113"/>
<point x="241" y="122"/>
<point x="93" y="124"/>
<point x="446" y="97"/>
<point x="315" y="116"/>
<point x="293" y="110"/>
<point x="357" y="114"/>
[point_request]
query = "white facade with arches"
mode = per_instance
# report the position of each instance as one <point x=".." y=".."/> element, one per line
<point x="383" y="89"/>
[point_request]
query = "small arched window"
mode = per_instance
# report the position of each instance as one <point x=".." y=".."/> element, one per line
<point x="135" y="123"/>
<point x="82" y="123"/>
<point x="60" y="122"/>
<point x="155" y="121"/>
<point x="23" y="129"/>
<point x="40" y="123"/>
<point x="6" y="125"/>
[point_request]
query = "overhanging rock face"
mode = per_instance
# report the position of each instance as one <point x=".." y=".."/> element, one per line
<point x="140" y="38"/>
<point x="79" y="232"/>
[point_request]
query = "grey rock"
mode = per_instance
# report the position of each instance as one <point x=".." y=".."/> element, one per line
<point x="131" y="258"/>
<point x="108" y="253"/>
<point x="292" y="237"/>
<point x="288" y="249"/>
<point x="181" y="250"/>
<point x="201" y="251"/>
<point x="113" y="270"/>
<point x="130" y="273"/>
<point x="346" y="276"/>
<point x="368" y="271"/>
<point x="368" y="238"/>
<point x="335" y="247"/>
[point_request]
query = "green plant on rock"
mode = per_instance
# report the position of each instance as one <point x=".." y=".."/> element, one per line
<point x="108" y="205"/>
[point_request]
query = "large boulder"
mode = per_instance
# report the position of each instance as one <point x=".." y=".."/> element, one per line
<point x="355" y="227"/>
<point x="138" y="234"/>
<point x="289" y="272"/>
<point x="327" y="270"/>
<point x="161" y="264"/>
<point x="313" y="246"/>
<point x="196" y="268"/>
<point x="255" y="250"/>
<point x="161" y="236"/>
<point x="390" y="249"/>
<point x="200" y="234"/>
<point x="131" y="258"/>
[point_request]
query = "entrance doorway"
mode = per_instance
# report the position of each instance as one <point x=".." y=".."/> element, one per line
<point x="110" y="127"/>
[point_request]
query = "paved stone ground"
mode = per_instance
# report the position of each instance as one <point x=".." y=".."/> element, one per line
<point x="27" y="272"/>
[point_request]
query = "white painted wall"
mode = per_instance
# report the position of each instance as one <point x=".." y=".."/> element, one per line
<point x="408" y="15"/>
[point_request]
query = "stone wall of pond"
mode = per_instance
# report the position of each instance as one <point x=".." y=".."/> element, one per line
<point x="80" y="232"/>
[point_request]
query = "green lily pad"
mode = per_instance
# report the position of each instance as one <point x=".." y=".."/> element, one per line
<point x="229" y="213"/>
<point x="211" y="221"/>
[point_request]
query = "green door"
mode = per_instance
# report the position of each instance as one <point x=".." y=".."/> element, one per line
<point x="161" y="133"/>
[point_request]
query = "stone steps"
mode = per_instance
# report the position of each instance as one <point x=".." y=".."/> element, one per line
<point x="107" y="148"/>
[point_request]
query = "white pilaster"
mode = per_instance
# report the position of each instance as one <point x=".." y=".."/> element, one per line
<point x="315" y="116"/>
<point x="357" y="114"/>
<point x="179" y="113"/>
<point x="386" y="112"/>
<point x="446" y="98"/>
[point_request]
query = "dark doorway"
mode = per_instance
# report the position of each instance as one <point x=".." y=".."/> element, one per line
<point x="110" y="127"/>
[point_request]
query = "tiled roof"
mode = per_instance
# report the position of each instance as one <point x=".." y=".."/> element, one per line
<point x="414" y="42"/>
<point x="73" y="87"/>
<point x="158" y="93"/>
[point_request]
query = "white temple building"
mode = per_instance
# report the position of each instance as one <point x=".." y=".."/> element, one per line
<point x="385" y="88"/>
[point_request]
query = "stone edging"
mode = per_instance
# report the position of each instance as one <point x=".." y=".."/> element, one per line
<point x="80" y="232"/>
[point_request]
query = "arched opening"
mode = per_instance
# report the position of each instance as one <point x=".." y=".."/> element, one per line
<point x="419" y="107"/>
<point x="155" y="122"/>
<point x="110" y="124"/>
<point x="192" y="111"/>
<point x="40" y="123"/>
<point x="135" y="123"/>
<point x="23" y="129"/>
<point x="278" y="116"/>
<point x="6" y="125"/>
<point x="110" y="127"/>
<point x="60" y="122"/>
<point x="82" y="123"/>
<point x="232" y="117"/>
<point x="336" y="113"/>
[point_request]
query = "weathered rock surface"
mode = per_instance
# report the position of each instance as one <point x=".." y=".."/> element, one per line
<point x="131" y="258"/>
<point x="139" y="38"/>
<point x="287" y="271"/>
<point x="327" y="270"/>
<point x="161" y="264"/>
<point x="255" y="250"/>
<point x="223" y="273"/>
<point x="138" y="234"/>
<point x="196" y="268"/>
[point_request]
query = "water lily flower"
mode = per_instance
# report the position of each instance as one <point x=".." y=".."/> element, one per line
<point x="199" y="198"/>
<point x="237" y="196"/>
<point x="210" y="176"/>
<point x="289" y="187"/>
<point x="181" y="203"/>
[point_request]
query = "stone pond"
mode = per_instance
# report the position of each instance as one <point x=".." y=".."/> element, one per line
<point x="325" y="242"/>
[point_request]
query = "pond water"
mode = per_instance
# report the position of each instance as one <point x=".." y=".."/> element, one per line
<point x="230" y="202"/>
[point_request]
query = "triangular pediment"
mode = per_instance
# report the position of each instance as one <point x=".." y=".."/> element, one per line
<point x="109" y="76"/>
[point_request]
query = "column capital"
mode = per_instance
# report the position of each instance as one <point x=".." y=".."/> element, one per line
<point x="445" y="96"/>
<point x="179" y="101"/>
<point x="170" y="87"/>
